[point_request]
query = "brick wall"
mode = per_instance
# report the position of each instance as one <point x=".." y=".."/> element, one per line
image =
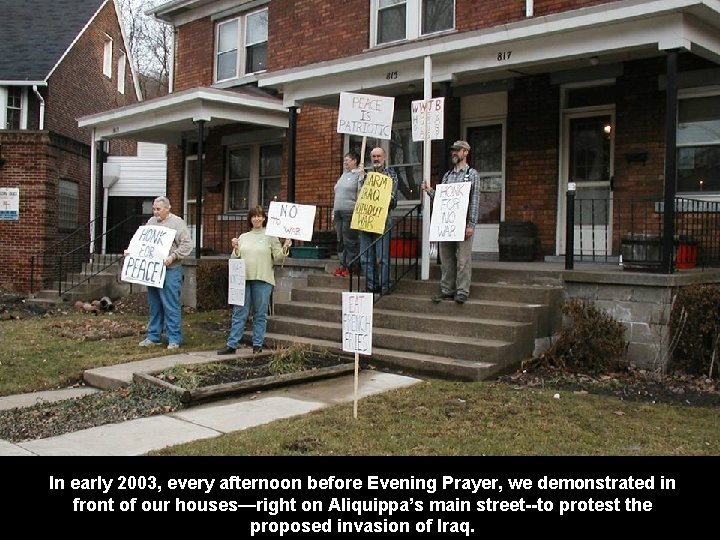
<point x="194" y="56"/>
<point x="78" y="87"/>
<point x="35" y="163"/>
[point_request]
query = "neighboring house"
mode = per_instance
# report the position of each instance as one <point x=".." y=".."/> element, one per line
<point x="59" y="61"/>
<point x="595" y="94"/>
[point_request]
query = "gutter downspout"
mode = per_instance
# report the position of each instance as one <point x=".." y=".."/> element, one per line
<point x="93" y="189"/>
<point x="529" y="8"/>
<point x="42" y="106"/>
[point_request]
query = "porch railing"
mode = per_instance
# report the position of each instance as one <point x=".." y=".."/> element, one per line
<point x="402" y="242"/>
<point x="604" y="229"/>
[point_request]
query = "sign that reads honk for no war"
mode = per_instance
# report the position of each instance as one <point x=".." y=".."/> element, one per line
<point x="365" y="115"/>
<point x="145" y="263"/>
<point x="449" y="212"/>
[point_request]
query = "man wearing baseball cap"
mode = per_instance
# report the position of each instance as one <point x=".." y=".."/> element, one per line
<point x="456" y="257"/>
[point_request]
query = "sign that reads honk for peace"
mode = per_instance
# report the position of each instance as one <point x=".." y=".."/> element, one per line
<point x="371" y="206"/>
<point x="145" y="263"/>
<point x="365" y="115"/>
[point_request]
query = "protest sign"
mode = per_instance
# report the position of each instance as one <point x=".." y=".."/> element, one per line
<point x="236" y="282"/>
<point x="9" y="204"/>
<point x="149" y="247"/>
<point x="357" y="320"/>
<point x="428" y="118"/>
<point x="365" y="115"/>
<point x="290" y="220"/>
<point x="371" y="207"/>
<point x="449" y="212"/>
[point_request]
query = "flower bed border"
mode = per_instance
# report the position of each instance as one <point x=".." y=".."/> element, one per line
<point x="225" y="389"/>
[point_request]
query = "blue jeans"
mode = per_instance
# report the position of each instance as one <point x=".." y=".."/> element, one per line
<point x="378" y="254"/>
<point x="257" y="298"/>
<point x="348" y="241"/>
<point x="165" y="310"/>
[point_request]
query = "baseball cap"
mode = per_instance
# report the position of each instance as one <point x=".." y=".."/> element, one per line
<point x="460" y="144"/>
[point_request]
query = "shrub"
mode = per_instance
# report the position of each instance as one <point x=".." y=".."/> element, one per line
<point x="695" y="327"/>
<point x="292" y="358"/>
<point x="212" y="285"/>
<point x="590" y="340"/>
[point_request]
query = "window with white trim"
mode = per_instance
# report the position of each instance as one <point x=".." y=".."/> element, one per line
<point x="241" y="45"/>
<point x="121" y="73"/>
<point x="107" y="56"/>
<point x="68" y="205"/>
<point x="13" y="107"/>
<point x="698" y="144"/>
<point x="402" y="154"/>
<point x="253" y="174"/>
<point x="399" y="20"/>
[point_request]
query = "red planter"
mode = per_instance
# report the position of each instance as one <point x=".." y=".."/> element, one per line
<point x="403" y="248"/>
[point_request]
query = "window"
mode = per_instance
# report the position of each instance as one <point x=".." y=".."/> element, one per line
<point x="121" y="74"/>
<point x="241" y="46"/>
<point x="68" y="205"/>
<point x="397" y="20"/>
<point x="698" y="141"/>
<point x="107" y="56"/>
<point x="13" y="107"/>
<point x="253" y="176"/>
<point x="403" y="155"/>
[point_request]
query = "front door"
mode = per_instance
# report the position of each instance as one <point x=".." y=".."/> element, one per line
<point x="486" y="156"/>
<point x="587" y="161"/>
<point x="191" y="194"/>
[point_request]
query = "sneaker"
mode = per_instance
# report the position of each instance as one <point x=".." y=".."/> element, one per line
<point x="460" y="298"/>
<point x="339" y="272"/>
<point x="147" y="343"/>
<point x="227" y="350"/>
<point x="173" y="346"/>
<point x="344" y="273"/>
<point x="257" y="349"/>
<point x="441" y="296"/>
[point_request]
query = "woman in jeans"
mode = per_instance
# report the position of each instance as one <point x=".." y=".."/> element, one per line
<point x="259" y="252"/>
<point x="346" y="190"/>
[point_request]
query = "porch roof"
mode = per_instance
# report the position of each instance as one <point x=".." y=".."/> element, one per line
<point x="166" y="119"/>
<point x="604" y="34"/>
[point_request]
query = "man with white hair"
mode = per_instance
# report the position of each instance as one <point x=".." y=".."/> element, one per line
<point x="164" y="303"/>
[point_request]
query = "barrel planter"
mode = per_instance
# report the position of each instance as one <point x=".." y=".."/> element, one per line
<point x="517" y="241"/>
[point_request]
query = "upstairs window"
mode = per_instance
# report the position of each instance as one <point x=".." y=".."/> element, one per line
<point x="107" y="56"/>
<point x="121" y="73"/>
<point x="13" y="107"/>
<point x="241" y="45"/>
<point x="398" y="20"/>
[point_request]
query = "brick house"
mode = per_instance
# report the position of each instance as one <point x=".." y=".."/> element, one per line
<point x="59" y="61"/>
<point x="549" y="94"/>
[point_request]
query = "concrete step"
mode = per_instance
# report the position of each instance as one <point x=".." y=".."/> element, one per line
<point x="463" y="347"/>
<point x="415" y="363"/>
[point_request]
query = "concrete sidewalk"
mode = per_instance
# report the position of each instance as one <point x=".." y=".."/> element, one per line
<point x="136" y="437"/>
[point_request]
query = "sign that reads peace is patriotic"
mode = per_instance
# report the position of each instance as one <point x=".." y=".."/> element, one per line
<point x="366" y="115"/>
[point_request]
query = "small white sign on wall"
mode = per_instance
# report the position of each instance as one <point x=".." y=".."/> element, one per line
<point x="9" y="204"/>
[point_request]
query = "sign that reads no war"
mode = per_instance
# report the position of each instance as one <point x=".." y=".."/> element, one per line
<point x="449" y="213"/>
<point x="365" y="115"/>
<point x="290" y="220"/>
<point x="149" y="247"/>
<point x="371" y="206"/>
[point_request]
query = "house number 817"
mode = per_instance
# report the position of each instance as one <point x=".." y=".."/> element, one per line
<point x="504" y="55"/>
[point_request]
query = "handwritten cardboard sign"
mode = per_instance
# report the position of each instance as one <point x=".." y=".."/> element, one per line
<point x="366" y="115"/>
<point x="449" y="212"/>
<point x="428" y="118"/>
<point x="371" y="206"/>
<point x="9" y="204"/>
<point x="149" y="247"/>
<point x="357" y="322"/>
<point x="236" y="282"/>
<point x="290" y="220"/>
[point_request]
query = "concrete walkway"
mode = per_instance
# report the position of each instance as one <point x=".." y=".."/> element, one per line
<point x="137" y="437"/>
